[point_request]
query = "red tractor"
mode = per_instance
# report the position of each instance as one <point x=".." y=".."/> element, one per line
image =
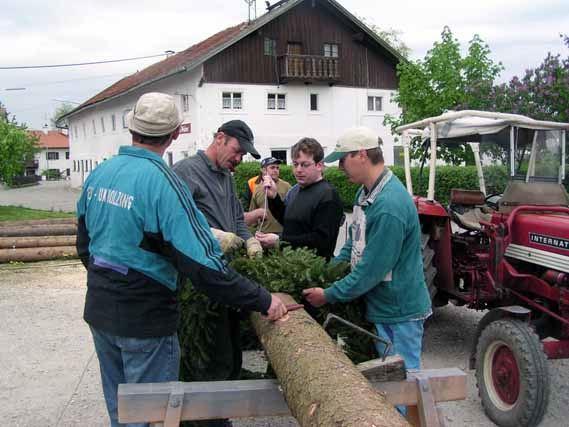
<point x="506" y="253"/>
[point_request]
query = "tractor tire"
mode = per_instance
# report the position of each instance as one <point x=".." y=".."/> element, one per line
<point x="511" y="374"/>
<point x="429" y="268"/>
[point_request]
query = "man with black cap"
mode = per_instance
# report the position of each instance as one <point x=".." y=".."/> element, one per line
<point x="259" y="213"/>
<point x="208" y="175"/>
<point x="139" y="232"/>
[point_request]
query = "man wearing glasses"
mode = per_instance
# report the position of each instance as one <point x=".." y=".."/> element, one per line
<point x="312" y="211"/>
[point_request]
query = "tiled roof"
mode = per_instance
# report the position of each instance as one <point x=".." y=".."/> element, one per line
<point x="51" y="139"/>
<point x="167" y="66"/>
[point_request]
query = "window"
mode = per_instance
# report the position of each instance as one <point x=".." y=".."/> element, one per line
<point x="102" y="125"/>
<point x="270" y="47"/>
<point x="185" y="100"/>
<point x="113" y="122"/>
<point x="90" y="165"/>
<point x="279" y="154"/>
<point x="170" y="159"/>
<point x="231" y="100"/>
<point x="330" y="50"/>
<point x="276" y="101"/>
<point x="313" y="102"/>
<point x="96" y="164"/>
<point x="94" y="127"/>
<point x="374" y="103"/>
<point x="124" y="121"/>
<point x="185" y="154"/>
<point x="84" y="130"/>
<point x="68" y="172"/>
<point x="74" y="166"/>
<point x="52" y="155"/>
<point x="67" y="155"/>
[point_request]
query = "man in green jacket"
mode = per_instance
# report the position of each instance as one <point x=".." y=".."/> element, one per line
<point x="384" y="249"/>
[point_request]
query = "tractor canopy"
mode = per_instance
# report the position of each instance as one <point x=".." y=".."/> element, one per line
<point x="531" y="152"/>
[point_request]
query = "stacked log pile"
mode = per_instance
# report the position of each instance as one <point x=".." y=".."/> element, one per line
<point x="37" y="240"/>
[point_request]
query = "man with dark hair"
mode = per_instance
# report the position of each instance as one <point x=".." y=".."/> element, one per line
<point x="139" y="234"/>
<point x="311" y="212"/>
<point x="384" y="249"/>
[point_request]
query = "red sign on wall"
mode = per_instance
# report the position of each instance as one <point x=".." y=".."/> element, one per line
<point x="186" y="128"/>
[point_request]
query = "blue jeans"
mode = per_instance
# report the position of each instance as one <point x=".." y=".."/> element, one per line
<point x="134" y="360"/>
<point x="406" y="340"/>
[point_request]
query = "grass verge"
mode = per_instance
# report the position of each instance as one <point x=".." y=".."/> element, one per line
<point x="15" y="213"/>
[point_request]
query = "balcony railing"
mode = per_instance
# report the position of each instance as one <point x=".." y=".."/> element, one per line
<point x="309" y="67"/>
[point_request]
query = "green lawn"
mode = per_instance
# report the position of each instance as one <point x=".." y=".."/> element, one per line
<point x="14" y="213"/>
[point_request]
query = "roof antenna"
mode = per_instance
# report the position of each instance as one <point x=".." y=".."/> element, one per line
<point x="252" y="4"/>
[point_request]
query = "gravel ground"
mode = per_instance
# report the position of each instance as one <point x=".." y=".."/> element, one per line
<point x="50" y="376"/>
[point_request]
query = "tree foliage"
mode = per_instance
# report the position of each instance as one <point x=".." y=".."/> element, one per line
<point x="17" y="146"/>
<point x="60" y="111"/>
<point x="391" y="36"/>
<point x="445" y="80"/>
<point x="542" y="93"/>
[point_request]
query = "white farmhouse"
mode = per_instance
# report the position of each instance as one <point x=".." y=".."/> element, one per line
<point x="53" y="154"/>
<point x="305" y="68"/>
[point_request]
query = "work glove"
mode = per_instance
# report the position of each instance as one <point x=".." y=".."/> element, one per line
<point x="268" y="240"/>
<point x="228" y="241"/>
<point x="254" y="248"/>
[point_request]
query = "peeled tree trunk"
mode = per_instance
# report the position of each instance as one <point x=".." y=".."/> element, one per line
<point x="33" y="222"/>
<point x="34" y="242"/>
<point x="37" y="254"/>
<point x="321" y="385"/>
<point x="39" y="230"/>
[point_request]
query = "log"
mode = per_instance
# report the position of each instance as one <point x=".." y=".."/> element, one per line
<point x="35" y="242"/>
<point x="29" y="222"/>
<point x="37" y="254"/>
<point x="322" y="387"/>
<point x="39" y="230"/>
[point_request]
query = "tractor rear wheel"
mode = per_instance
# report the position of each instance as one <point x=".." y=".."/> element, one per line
<point x="511" y="374"/>
<point x="429" y="268"/>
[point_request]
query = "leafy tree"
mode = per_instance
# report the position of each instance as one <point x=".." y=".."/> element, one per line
<point x="542" y="93"/>
<point x="391" y="36"/>
<point x="17" y="146"/>
<point x="445" y="80"/>
<point x="60" y="111"/>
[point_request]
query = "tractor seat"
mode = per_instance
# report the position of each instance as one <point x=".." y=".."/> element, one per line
<point x="467" y="208"/>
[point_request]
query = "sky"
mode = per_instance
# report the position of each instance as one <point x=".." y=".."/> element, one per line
<point x="519" y="33"/>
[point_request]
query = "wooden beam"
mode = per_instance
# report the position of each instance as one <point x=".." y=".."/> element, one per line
<point x="390" y="369"/>
<point x="261" y="398"/>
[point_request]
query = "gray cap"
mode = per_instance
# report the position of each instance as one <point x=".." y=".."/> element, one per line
<point x="155" y="114"/>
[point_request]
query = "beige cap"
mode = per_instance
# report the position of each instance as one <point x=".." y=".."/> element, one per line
<point x="155" y="114"/>
<point x="354" y="139"/>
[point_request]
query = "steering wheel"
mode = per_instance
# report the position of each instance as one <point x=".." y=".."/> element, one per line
<point x="493" y="200"/>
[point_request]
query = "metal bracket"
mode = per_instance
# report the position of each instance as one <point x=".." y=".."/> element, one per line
<point x="356" y="328"/>
<point x="175" y="405"/>
<point x="426" y="405"/>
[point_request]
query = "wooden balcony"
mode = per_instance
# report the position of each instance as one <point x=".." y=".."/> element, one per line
<point x="309" y="68"/>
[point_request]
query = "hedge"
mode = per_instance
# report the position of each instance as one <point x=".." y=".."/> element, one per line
<point x="447" y="177"/>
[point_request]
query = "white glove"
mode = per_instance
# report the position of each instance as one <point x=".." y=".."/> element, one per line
<point x="228" y="241"/>
<point x="254" y="248"/>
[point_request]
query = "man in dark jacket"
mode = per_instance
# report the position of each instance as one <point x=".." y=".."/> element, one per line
<point x="311" y="212"/>
<point x="139" y="234"/>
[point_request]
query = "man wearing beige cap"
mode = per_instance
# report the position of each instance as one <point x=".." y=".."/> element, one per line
<point x="384" y="249"/>
<point x="139" y="232"/>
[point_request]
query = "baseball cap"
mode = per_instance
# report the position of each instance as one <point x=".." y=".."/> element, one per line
<point x="155" y="114"/>
<point x="243" y="133"/>
<point x="354" y="139"/>
<point x="270" y="161"/>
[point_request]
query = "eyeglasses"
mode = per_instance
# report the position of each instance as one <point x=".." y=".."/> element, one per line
<point x="303" y="165"/>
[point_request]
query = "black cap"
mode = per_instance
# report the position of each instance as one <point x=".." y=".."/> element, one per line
<point x="243" y="133"/>
<point x="270" y="161"/>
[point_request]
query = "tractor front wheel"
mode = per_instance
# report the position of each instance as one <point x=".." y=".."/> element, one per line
<point x="511" y="374"/>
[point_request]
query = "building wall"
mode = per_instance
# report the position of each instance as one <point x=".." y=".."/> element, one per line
<point x="362" y="63"/>
<point x="61" y="164"/>
<point x="338" y="108"/>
